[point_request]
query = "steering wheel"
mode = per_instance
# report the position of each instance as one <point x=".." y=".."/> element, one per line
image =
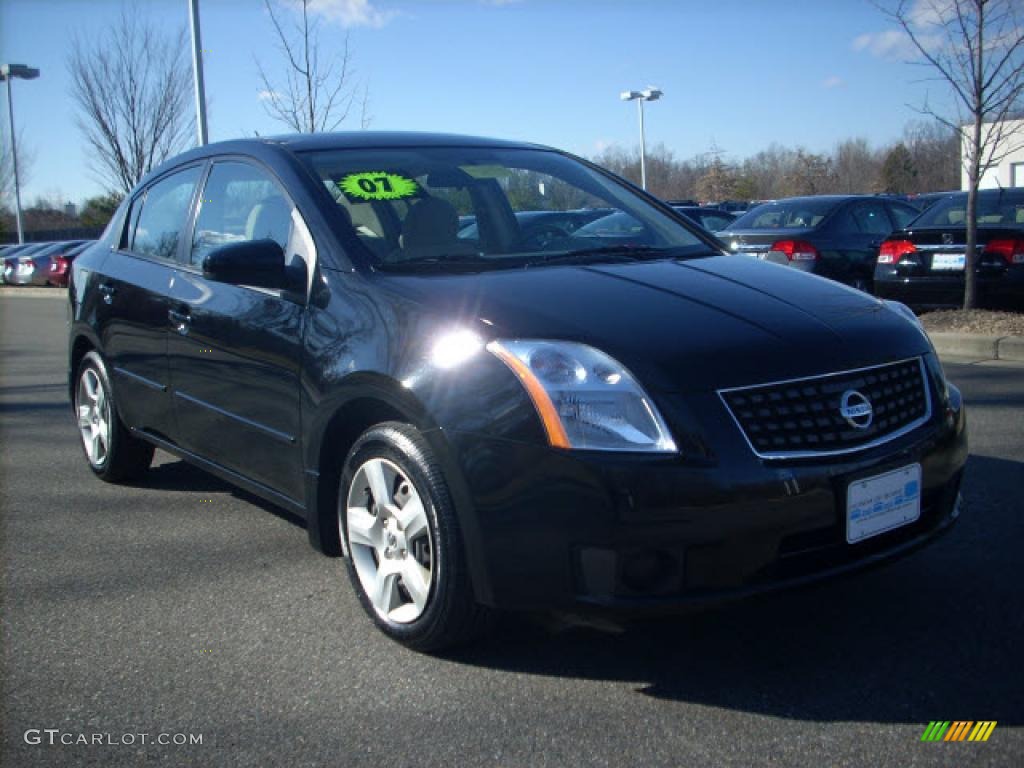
<point x="543" y="235"/>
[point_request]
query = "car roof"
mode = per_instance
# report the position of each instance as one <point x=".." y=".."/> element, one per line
<point x="702" y="209"/>
<point x="820" y="198"/>
<point x="303" y="142"/>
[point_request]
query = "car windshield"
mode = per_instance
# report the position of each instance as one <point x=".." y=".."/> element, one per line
<point x="481" y="207"/>
<point x="996" y="208"/>
<point x="798" y="213"/>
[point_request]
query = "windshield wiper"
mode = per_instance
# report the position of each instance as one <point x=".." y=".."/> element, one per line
<point x="442" y="261"/>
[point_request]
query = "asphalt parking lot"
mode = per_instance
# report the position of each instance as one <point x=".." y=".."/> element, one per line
<point x="182" y="606"/>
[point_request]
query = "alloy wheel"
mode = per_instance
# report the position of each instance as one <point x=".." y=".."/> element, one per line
<point x="94" y="421"/>
<point x="390" y="540"/>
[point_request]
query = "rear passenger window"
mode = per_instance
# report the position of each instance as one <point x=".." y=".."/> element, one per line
<point x="871" y="219"/>
<point x="903" y="215"/>
<point x="240" y="202"/>
<point x="163" y="214"/>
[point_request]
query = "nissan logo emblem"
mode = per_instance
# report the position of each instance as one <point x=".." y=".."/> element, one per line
<point x="947" y="238"/>
<point x="856" y="409"/>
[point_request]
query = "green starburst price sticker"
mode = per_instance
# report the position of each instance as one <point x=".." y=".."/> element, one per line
<point x="378" y="185"/>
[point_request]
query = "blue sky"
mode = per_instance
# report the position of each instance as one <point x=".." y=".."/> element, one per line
<point x="737" y="73"/>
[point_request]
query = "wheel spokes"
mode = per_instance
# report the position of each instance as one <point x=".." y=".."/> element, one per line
<point x="416" y="580"/>
<point x="363" y="528"/>
<point x="89" y="381"/>
<point x="390" y="539"/>
<point x="413" y="518"/>
<point x="93" y="417"/>
<point x="379" y="488"/>
<point x="384" y="593"/>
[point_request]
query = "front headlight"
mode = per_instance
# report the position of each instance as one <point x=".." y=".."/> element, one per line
<point x="585" y="399"/>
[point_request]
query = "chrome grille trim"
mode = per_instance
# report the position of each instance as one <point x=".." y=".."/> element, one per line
<point x="888" y="437"/>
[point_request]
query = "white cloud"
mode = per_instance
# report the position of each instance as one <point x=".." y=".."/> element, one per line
<point x="266" y="95"/>
<point x="352" y="13"/>
<point x="924" y="18"/>
<point x="834" y="81"/>
<point x="890" y="44"/>
<point x="925" y="13"/>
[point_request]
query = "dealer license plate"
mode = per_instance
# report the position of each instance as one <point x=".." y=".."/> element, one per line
<point x="878" y="504"/>
<point x="949" y="261"/>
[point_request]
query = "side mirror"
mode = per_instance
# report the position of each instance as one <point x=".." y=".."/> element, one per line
<point x="251" y="262"/>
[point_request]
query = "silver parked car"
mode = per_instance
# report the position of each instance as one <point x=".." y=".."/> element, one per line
<point x="36" y="267"/>
<point x="12" y="261"/>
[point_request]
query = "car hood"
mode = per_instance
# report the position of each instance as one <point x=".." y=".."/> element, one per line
<point x="693" y="325"/>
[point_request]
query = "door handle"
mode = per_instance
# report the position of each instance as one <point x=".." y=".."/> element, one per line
<point x="180" y="320"/>
<point x="108" y="292"/>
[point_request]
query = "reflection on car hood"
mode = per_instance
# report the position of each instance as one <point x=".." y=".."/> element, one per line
<point x="681" y="325"/>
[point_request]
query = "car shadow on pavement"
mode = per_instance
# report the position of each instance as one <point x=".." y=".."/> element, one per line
<point x="179" y="475"/>
<point x="934" y="636"/>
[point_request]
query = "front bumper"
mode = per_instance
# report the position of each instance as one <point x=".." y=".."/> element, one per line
<point x="581" y="532"/>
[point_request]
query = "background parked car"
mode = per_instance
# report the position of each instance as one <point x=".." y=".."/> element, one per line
<point x="923" y="265"/>
<point x="927" y="200"/>
<point x="835" y="236"/>
<point x="60" y="264"/>
<point x="538" y="228"/>
<point x="712" y="219"/>
<point x="45" y="266"/>
<point x="8" y="251"/>
<point x="614" y="226"/>
<point x="12" y="261"/>
<point x="732" y="206"/>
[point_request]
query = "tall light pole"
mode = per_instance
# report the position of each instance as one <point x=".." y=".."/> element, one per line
<point x="8" y="72"/>
<point x="648" y="94"/>
<point x="197" y="71"/>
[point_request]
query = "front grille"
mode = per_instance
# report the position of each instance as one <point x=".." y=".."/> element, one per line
<point x="801" y="418"/>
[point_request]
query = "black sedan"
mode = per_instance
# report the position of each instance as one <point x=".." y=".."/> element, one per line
<point x="589" y="424"/>
<point x="924" y="264"/>
<point x="835" y="236"/>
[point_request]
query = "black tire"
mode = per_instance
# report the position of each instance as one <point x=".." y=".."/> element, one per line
<point x="451" y="615"/>
<point x="126" y="456"/>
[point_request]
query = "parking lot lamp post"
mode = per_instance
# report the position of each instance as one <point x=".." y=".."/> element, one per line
<point x="648" y="94"/>
<point x="197" y="72"/>
<point x="8" y="72"/>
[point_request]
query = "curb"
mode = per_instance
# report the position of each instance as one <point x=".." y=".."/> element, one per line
<point x="979" y="346"/>
<point x="33" y="291"/>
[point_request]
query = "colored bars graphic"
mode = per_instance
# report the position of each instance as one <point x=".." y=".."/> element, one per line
<point x="958" y="730"/>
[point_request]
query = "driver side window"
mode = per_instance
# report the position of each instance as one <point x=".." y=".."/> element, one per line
<point x="240" y="202"/>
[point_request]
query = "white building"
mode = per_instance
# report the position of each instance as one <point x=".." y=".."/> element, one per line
<point x="1008" y="172"/>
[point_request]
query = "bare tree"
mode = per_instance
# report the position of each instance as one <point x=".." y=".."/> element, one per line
<point x="977" y="48"/>
<point x="132" y="87"/>
<point x="809" y="174"/>
<point x="856" y="166"/>
<point x="318" y="91"/>
<point x="26" y="158"/>
<point x="935" y="150"/>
